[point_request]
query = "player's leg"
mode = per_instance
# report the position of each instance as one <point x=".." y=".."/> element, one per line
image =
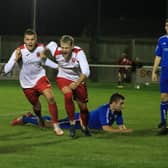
<point x="69" y="103"/>
<point x="31" y="120"/>
<point x="52" y="106"/>
<point x="81" y="97"/>
<point x="43" y="86"/>
<point x="163" y="109"/>
<point x="70" y="109"/>
<point x="119" y="78"/>
<point x="33" y="97"/>
<point x="23" y="119"/>
<point x="164" y="99"/>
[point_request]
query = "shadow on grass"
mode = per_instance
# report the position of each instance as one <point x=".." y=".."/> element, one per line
<point x="136" y="133"/>
<point x="10" y="136"/>
<point x="26" y="146"/>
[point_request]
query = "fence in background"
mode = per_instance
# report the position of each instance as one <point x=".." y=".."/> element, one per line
<point x="107" y="51"/>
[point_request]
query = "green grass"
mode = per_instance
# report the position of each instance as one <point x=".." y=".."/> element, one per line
<point x="31" y="147"/>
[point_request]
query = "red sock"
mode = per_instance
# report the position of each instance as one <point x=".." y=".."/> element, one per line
<point x="53" y="112"/>
<point x="84" y="115"/>
<point x="69" y="106"/>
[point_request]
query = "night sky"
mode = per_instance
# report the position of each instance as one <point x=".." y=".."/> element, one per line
<point x="56" y="17"/>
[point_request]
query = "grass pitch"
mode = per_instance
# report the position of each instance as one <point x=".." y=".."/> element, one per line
<point x="32" y="147"/>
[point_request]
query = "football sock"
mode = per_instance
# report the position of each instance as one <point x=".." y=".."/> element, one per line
<point x="69" y="105"/>
<point x="163" y="111"/>
<point x="53" y="112"/>
<point x="84" y="115"/>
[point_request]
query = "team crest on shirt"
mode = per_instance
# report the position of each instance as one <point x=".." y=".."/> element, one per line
<point x="38" y="54"/>
<point x="73" y="59"/>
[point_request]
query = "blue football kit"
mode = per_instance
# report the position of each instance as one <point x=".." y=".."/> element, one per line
<point x="97" y="118"/>
<point x="162" y="51"/>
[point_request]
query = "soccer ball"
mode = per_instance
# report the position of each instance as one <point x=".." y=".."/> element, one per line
<point x="137" y="87"/>
<point x="147" y="83"/>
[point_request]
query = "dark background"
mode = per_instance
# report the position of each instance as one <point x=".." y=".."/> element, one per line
<point x="121" y="18"/>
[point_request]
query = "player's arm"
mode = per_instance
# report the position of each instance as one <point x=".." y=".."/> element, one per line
<point x="123" y="128"/>
<point x="50" y="48"/>
<point x="108" y="128"/>
<point x="155" y="67"/>
<point x="120" y="123"/>
<point x="85" y="71"/>
<point x="13" y="59"/>
<point x="51" y="64"/>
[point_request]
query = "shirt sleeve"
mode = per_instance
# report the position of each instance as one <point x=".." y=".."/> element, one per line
<point x="104" y="117"/>
<point x="84" y="66"/>
<point x="119" y="118"/>
<point x="158" y="50"/>
<point x="52" y="46"/>
<point x="10" y="64"/>
<point x="50" y="64"/>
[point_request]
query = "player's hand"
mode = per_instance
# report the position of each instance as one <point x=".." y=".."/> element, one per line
<point x="154" y="77"/>
<point x="18" y="54"/>
<point x="127" y="130"/>
<point x="73" y="85"/>
<point x="43" y="55"/>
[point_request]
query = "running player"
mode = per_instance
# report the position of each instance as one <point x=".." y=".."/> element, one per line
<point x="32" y="76"/>
<point x="73" y="71"/>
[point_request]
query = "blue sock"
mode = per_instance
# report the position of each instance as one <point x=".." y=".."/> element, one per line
<point x="163" y="111"/>
<point x="31" y="120"/>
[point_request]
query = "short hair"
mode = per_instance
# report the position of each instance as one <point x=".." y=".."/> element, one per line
<point x="116" y="97"/>
<point x="67" y="39"/>
<point x="30" y="32"/>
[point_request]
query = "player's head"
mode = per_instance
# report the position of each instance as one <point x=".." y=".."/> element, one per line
<point x="30" y="39"/>
<point x="67" y="44"/>
<point x="166" y="25"/>
<point x="116" y="102"/>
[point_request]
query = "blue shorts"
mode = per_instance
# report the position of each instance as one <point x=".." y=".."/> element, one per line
<point x="164" y="80"/>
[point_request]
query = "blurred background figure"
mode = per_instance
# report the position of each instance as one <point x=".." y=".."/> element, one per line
<point x="124" y="73"/>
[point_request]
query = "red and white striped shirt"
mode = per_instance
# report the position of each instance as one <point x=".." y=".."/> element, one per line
<point x="31" y="66"/>
<point x="72" y="68"/>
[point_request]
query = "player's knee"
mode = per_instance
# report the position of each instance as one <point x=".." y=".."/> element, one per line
<point x="68" y="96"/>
<point x="83" y="107"/>
<point x="164" y="97"/>
<point x="51" y="100"/>
<point x="37" y="106"/>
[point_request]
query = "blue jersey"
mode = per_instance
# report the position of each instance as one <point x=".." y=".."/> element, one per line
<point x="162" y="50"/>
<point x="97" y="118"/>
<point x="104" y="116"/>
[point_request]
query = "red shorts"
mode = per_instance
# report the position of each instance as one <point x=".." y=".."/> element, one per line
<point x="33" y="94"/>
<point x="80" y="93"/>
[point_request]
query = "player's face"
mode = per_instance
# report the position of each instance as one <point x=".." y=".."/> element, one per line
<point x="30" y="41"/>
<point x="119" y="105"/>
<point x="66" y="48"/>
<point x="166" y="27"/>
